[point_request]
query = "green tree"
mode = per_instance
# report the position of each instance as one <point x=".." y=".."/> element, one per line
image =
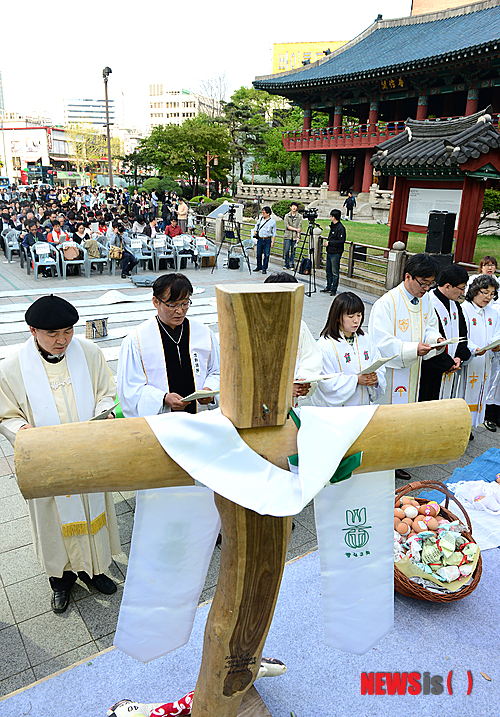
<point x="134" y="161"/>
<point x="88" y="146"/>
<point x="247" y="116"/>
<point x="181" y="150"/>
<point x="491" y="204"/>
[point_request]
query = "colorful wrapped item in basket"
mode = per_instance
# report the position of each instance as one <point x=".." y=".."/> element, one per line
<point x="435" y="556"/>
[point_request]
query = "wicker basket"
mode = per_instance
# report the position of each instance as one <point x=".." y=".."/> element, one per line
<point x="405" y="586"/>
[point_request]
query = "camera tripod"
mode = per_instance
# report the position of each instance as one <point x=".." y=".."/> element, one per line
<point x="232" y="231"/>
<point x="309" y="238"/>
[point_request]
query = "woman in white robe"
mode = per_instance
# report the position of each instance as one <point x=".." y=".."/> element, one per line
<point x="347" y="351"/>
<point x="488" y="265"/>
<point x="483" y="328"/>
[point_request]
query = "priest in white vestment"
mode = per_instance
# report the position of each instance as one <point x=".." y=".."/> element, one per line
<point x="167" y="357"/>
<point x="56" y="378"/>
<point x="402" y="325"/>
<point x="161" y="361"/>
<point x="483" y="328"/>
<point x="441" y="374"/>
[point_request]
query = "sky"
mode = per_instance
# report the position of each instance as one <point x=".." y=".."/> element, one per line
<point x="53" y="51"/>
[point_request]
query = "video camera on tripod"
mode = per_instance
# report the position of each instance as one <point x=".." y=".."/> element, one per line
<point x="310" y="214"/>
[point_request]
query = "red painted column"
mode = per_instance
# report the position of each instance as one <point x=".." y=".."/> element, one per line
<point x="328" y="158"/>
<point x="398" y="209"/>
<point x="358" y="171"/>
<point x="470" y="214"/>
<point x="472" y="100"/>
<point x="337" y="117"/>
<point x="373" y="117"/>
<point x="304" y="156"/>
<point x="333" y="181"/>
<point x="422" y="107"/>
<point x="367" y="172"/>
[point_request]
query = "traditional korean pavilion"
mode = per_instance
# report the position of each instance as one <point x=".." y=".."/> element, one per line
<point x="435" y="66"/>
<point x="449" y="161"/>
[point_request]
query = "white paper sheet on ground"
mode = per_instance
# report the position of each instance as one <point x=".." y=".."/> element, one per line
<point x="87" y="312"/>
<point x="169" y="559"/>
<point x="209" y="448"/>
<point x="355" y="539"/>
<point x="485" y="527"/>
<point x="127" y="317"/>
<point x="55" y="289"/>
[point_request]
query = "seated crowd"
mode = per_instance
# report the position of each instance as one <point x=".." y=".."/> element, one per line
<point x="91" y="218"/>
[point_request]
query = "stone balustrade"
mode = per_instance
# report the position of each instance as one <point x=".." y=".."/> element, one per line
<point x="276" y="192"/>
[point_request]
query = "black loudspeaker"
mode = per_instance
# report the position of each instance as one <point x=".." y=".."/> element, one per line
<point x="440" y="230"/>
<point x="444" y="261"/>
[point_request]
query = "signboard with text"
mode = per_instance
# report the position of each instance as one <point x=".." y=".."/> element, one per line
<point x="422" y="201"/>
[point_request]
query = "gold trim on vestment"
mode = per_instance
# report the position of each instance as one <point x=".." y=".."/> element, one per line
<point x="82" y="528"/>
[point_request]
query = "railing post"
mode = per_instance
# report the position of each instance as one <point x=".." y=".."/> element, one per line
<point x="395" y="265"/>
<point x="350" y="263"/>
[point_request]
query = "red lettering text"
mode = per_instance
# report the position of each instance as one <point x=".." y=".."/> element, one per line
<point x="414" y="687"/>
<point x="396" y="683"/>
<point x="380" y="683"/>
<point x="367" y="684"/>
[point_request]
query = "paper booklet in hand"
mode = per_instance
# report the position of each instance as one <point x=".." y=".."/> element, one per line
<point x="104" y="414"/>
<point x="376" y="365"/>
<point x="200" y="394"/>
<point x="493" y="345"/>
<point x="442" y="344"/>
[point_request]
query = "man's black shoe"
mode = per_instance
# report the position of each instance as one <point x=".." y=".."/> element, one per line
<point x="257" y="269"/>
<point x="325" y="291"/>
<point x="402" y="475"/>
<point x="101" y="582"/>
<point x="490" y="426"/>
<point x="59" y="601"/>
<point x="333" y="293"/>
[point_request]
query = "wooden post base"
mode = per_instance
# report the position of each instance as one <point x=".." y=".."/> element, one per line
<point x="252" y="560"/>
<point x="252" y="704"/>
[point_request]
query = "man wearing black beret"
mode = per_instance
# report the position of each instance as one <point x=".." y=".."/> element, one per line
<point x="58" y="378"/>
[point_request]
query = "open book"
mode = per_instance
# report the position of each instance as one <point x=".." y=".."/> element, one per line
<point x="493" y="345"/>
<point x="376" y="365"/>
<point x="441" y="344"/>
<point x="200" y="394"/>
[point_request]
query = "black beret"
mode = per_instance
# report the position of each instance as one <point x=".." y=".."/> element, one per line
<point x="51" y="313"/>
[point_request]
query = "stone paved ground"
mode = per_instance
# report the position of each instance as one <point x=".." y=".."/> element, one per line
<point x="34" y="641"/>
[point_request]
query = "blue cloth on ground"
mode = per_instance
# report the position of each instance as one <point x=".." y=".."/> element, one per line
<point x="485" y="467"/>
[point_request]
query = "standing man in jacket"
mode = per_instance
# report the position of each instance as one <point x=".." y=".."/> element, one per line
<point x="265" y="233"/>
<point x="293" y="229"/>
<point x="334" y="248"/>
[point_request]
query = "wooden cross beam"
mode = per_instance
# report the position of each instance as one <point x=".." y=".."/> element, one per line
<point x="259" y="329"/>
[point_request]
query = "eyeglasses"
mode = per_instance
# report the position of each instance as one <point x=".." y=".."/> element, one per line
<point x="426" y="284"/>
<point x="487" y="294"/>
<point x="184" y="306"/>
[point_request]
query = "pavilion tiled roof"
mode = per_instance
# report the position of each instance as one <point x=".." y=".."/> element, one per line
<point x="446" y="143"/>
<point x="399" y="45"/>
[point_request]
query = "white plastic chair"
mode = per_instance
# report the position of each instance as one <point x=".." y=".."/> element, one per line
<point x="44" y="257"/>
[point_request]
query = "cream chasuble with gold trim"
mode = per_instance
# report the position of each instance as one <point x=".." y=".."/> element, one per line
<point x="397" y="326"/>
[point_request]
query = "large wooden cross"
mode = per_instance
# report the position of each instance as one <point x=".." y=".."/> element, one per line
<point x="259" y="330"/>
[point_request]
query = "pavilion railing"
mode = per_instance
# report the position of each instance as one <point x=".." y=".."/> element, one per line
<point x="361" y="135"/>
<point x="365" y="262"/>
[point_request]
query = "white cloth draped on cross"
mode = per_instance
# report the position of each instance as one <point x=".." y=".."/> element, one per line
<point x="175" y="528"/>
